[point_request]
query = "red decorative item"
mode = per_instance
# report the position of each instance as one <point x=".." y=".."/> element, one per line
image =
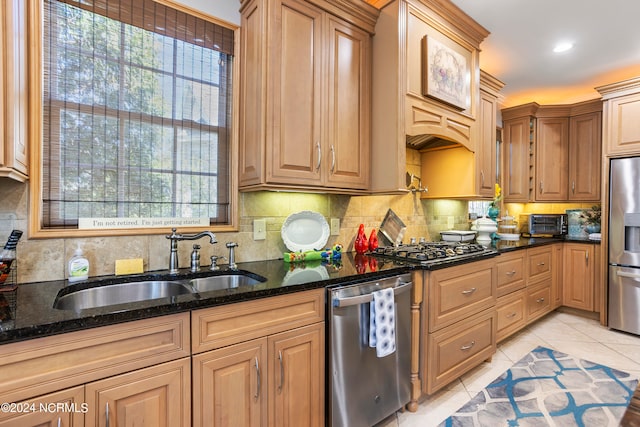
<point x="360" y="243"/>
<point x="373" y="240"/>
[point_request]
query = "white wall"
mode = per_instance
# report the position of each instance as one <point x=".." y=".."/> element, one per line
<point x="227" y="10"/>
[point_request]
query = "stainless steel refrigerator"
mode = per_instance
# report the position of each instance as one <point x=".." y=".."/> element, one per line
<point x="624" y="244"/>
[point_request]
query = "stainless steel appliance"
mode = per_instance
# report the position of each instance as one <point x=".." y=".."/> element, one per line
<point x="364" y="388"/>
<point x="624" y="244"/>
<point x="540" y="225"/>
<point x="434" y="254"/>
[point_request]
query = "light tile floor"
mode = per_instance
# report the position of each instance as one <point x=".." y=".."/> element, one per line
<point x="568" y="333"/>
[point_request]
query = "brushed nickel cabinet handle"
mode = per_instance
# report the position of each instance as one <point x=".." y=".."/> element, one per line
<point x="281" y="371"/>
<point x="541" y="187"/>
<point x="586" y="255"/>
<point x="511" y="315"/>
<point x="573" y="187"/>
<point x="319" y="155"/>
<point x="540" y="300"/>
<point x="541" y="263"/>
<point x="59" y="422"/>
<point x="510" y="273"/>
<point x="106" y="414"/>
<point x="470" y="291"/>
<point x="333" y="159"/>
<point x="255" y="396"/>
<point x="482" y="179"/>
<point x="467" y="347"/>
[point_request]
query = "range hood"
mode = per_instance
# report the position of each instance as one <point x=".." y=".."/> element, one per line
<point x="419" y="142"/>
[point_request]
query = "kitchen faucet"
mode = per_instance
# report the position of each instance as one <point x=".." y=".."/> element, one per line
<point x="173" y="255"/>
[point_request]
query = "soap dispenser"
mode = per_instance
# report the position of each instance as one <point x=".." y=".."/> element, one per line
<point x="78" y="267"/>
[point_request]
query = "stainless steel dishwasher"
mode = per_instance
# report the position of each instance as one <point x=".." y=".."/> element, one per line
<point x="364" y="388"/>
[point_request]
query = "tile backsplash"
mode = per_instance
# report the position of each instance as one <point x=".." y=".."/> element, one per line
<point x="46" y="259"/>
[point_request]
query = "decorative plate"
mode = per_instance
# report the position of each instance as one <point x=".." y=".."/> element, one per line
<point x="305" y="231"/>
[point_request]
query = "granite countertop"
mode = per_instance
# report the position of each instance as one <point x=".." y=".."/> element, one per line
<point x="34" y="316"/>
<point x="523" y="243"/>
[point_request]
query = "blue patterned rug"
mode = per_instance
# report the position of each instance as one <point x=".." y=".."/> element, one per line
<point x="550" y="388"/>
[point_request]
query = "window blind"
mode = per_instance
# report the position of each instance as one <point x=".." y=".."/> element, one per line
<point x="136" y="112"/>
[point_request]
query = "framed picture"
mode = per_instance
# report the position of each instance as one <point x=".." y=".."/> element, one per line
<point x="446" y="73"/>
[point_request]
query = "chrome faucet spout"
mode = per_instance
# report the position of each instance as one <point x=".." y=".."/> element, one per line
<point x="174" y="238"/>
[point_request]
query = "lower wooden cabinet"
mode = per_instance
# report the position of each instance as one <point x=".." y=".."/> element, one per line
<point x="457" y="349"/>
<point x="275" y="378"/>
<point x="31" y="414"/>
<point x="276" y="381"/>
<point x="511" y="314"/>
<point x="538" y="301"/>
<point x="159" y="396"/>
<point x="579" y="276"/>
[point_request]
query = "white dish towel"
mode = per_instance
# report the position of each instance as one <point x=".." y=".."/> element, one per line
<point x="382" y="331"/>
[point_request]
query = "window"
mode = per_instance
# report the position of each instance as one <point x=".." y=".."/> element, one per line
<point x="136" y="105"/>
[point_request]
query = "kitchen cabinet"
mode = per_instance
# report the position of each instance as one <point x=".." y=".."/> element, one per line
<point x="620" y="123"/>
<point x="579" y="276"/>
<point x="13" y="90"/>
<point x="402" y="116"/>
<point x="260" y="362"/>
<point x="487" y="153"/>
<point x="510" y="305"/>
<point x="552" y="153"/>
<point x="73" y="398"/>
<point x="517" y="155"/>
<point x="539" y="282"/>
<point x="151" y="397"/>
<point x="458" y="321"/>
<point x="305" y="89"/>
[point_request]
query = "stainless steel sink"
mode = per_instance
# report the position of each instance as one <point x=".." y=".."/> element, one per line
<point x="224" y="281"/>
<point x="120" y="293"/>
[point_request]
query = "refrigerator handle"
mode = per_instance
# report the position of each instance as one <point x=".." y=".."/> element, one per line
<point x="633" y="276"/>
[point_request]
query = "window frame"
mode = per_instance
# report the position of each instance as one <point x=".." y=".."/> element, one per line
<point x="34" y="32"/>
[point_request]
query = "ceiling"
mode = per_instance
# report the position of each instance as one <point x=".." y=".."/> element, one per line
<point x="606" y="38"/>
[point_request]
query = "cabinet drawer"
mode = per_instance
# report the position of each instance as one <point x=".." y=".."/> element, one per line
<point x="221" y="326"/>
<point x="511" y="310"/>
<point x="455" y="350"/>
<point x="510" y="272"/>
<point x="538" y="301"/>
<point x="34" y="367"/>
<point x="457" y="292"/>
<point x="539" y="264"/>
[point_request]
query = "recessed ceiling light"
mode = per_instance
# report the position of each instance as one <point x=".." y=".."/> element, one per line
<point x="562" y="47"/>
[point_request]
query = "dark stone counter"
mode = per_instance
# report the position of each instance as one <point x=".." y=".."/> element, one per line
<point x="34" y="315"/>
<point x="524" y="243"/>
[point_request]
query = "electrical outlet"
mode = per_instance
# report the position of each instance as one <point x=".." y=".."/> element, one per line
<point x="450" y="222"/>
<point x="259" y="229"/>
<point x="335" y="226"/>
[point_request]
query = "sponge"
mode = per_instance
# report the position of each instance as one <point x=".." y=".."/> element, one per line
<point x="129" y="266"/>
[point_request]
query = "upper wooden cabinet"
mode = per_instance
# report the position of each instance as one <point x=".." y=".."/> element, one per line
<point x="13" y="90"/>
<point x="621" y="111"/>
<point x="305" y="88"/>
<point x="402" y="115"/>
<point x="552" y="153"/>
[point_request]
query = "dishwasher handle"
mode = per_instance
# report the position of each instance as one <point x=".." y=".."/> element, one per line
<point x="362" y="299"/>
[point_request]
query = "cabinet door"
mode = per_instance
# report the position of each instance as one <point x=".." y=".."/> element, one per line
<point x="517" y="134"/>
<point x="579" y="262"/>
<point x="296" y="377"/>
<point x="556" y="279"/>
<point x="486" y="154"/>
<point x="229" y="385"/>
<point x="621" y="130"/>
<point x="585" y="148"/>
<point x="159" y="396"/>
<point x="70" y="413"/>
<point x="13" y="93"/>
<point x="552" y="148"/>
<point x="294" y="141"/>
<point x="347" y="142"/>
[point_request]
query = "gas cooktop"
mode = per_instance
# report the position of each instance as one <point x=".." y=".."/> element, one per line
<point x="434" y="253"/>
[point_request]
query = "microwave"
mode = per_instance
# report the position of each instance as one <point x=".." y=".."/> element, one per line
<point x="543" y="225"/>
